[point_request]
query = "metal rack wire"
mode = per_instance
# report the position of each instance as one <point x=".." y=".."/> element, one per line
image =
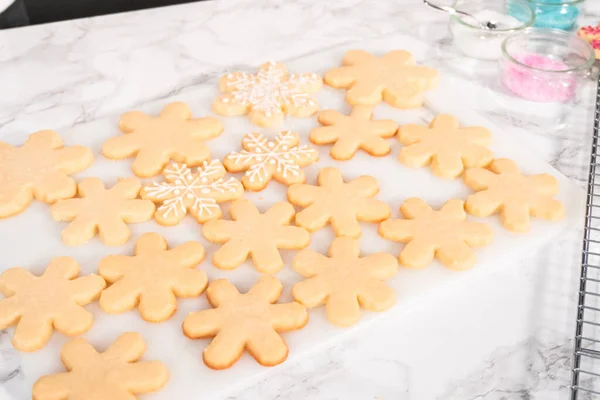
<point x="586" y="356"/>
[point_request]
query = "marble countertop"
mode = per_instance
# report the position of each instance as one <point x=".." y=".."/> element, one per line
<point x="509" y="338"/>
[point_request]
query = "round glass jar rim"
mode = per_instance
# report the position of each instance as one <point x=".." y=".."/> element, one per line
<point x="549" y="32"/>
<point x="555" y="3"/>
<point x="478" y="27"/>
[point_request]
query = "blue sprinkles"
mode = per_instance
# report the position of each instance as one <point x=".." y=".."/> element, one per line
<point x="553" y="14"/>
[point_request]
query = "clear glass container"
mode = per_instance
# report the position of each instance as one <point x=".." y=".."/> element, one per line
<point x="545" y="65"/>
<point x="557" y="14"/>
<point x="475" y="41"/>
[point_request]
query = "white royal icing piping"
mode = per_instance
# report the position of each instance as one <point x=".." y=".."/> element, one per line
<point x="181" y="183"/>
<point x="281" y="152"/>
<point x="269" y="89"/>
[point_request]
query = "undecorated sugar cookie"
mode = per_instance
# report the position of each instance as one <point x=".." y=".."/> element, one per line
<point x="394" y="78"/>
<point x="344" y="281"/>
<point x="262" y="159"/>
<point x="152" y="277"/>
<point x="268" y="95"/>
<point x="103" y="211"/>
<point x="337" y="202"/>
<point x="36" y="304"/>
<point x="153" y="141"/>
<point x="116" y="374"/>
<point x="504" y="189"/>
<point x="251" y="233"/>
<point x="447" y="147"/>
<point x="39" y="169"/>
<point x="248" y="321"/>
<point x="353" y="132"/>
<point x="197" y="192"/>
<point x="445" y="234"/>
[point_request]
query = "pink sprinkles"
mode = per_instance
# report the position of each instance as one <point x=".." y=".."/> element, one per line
<point x="536" y="85"/>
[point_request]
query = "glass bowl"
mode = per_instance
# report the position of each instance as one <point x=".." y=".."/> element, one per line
<point x="545" y="65"/>
<point x="558" y="14"/>
<point x="471" y="39"/>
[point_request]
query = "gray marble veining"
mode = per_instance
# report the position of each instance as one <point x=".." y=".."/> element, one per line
<point x="513" y="345"/>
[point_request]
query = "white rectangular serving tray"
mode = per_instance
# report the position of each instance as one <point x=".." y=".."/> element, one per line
<point x="32" y="238"/>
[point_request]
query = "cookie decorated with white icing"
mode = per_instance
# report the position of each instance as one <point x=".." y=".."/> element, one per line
<point x="281" y="159"/>
<point x="196" y="192"/>
<point x="268" y="95"/>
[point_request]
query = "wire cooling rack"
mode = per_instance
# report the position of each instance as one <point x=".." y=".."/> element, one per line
<point x="586" y="356"/>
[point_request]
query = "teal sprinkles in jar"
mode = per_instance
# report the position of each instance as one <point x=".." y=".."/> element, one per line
<point x="558" y="14"/>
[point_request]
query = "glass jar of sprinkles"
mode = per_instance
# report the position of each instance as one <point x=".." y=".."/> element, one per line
<point x="558" y="14"/>
<point x="475" y="41"/>
<point x="545" y="65"/>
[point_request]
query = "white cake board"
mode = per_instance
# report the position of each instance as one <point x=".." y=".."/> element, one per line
<point x="32" y="238"/>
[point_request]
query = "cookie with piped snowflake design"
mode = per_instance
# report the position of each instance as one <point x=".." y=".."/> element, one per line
<point x="268" y="95"/>
<point x="263" y="159"/>
<point x="196" y="192"/>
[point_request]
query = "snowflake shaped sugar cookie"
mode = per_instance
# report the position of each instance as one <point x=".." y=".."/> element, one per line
<point x="255" y="234"/>
<point x="267" y="95"/>
<point x="103" y="211"/>
<point x="37" y="304"/>
<point x="339" y="203"/>
<point x="394" y="78"/>
<point x="152" y="278"/>
<point x="115" y="374"/>
<point x="344" y="282"/>
<point x="445" y="234"/>
<point x="448" y="148"/>
<point x="248" y="321"/>
<point x="153" y="141"/>
<point x="504" y="189"/>
<point x="39" y="169"/>
<point x="196" y="192"/>
<point x="353" y="132"/>
<point x="264" y="159"/>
